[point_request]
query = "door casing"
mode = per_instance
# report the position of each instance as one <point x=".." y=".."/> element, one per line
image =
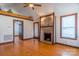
<point x="34" y="30"/>
<point x="14" y="29"/>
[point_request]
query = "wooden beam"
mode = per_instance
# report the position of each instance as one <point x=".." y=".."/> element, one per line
<point x="15" y="15"/>
<point x="46" y="15"/>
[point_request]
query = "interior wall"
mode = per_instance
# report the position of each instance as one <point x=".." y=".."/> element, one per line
<point x="45" y="9"/>
<point x="6" y="28"/>
<point x="65" y="9"/>
<point x="28" y="29"/>
<point x="61" y="9"/>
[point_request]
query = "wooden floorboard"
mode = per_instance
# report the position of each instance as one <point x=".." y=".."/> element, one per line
<point x="35" y="48"/>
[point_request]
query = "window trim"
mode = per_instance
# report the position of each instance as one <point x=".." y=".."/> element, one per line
<point x="75" y="14"/>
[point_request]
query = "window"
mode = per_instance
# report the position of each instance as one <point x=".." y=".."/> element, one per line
<point x="68" y="27"/>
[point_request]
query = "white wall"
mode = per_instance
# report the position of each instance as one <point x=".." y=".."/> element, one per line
<point x="64" y="9"/>
<point x="6" y="28"/>
<point x="28" y="29"/>
<point x="61" y="9"/>
<point x="45" y="9"/>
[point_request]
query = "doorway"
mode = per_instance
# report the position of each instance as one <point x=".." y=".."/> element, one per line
<point x="36" y="30"/>
<point x="17" y="30"/>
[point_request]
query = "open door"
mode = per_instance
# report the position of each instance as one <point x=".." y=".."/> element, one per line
<point x="18" y="29"/>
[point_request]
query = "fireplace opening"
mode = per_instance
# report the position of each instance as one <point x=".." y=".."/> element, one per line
<point x="47" y="36"/>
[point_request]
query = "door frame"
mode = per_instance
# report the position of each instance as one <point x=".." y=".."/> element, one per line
<point x="14" y="29"/>
<point x="34" y="30"/>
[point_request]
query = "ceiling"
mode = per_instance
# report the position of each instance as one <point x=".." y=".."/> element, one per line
<point x="27" y="11"/>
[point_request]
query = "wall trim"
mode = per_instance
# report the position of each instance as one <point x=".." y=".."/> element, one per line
<point x="16" y="15"/>
<point x="53" y="15"/>
<point x="75" y="14"/>
<point x="67" y="45"/>
<point x="6" y="43"/>
<point x="34" y="30"/>
<point x="14" y="29"/>
<point x="28" y="38"/>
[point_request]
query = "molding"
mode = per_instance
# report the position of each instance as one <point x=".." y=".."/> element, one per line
<point x="67" y="45"/>
<point x="14" y="29"/>
<point x="6" y="43"/>
<point x="34" y="30"/>
<point x="15" y="15"/>
<point x="75" y="14"/>
<point x="52" y="35"/>
<point x="13" y="41"/>
<point x="36" y="38"/>
<point x="46" y="15"/>
<point x="27" y="39"/>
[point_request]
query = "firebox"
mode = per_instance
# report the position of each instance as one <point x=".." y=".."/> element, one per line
<point x="47" y="36"/>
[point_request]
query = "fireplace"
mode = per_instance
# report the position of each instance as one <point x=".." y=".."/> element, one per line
<point x="47" y="36"/>
<point x="47" y="28"/>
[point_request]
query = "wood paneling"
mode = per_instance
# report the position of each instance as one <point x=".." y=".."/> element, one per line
<point x="15" y="15"/>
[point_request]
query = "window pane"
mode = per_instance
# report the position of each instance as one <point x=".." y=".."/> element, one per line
<point x="68" y="27"/>
<point x="68" y="21"/>
<point x="69" y="33"/>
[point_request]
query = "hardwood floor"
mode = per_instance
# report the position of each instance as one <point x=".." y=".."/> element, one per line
<point x="34" y="48"/>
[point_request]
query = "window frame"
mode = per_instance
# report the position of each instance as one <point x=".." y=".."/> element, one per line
<point x="74" y="14"/>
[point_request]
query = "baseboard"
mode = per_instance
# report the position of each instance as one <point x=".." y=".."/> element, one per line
<point x="6" y="43"/>
<point x="28" y="38"/>
<point x="16" y="35"/>
<point x="67" y="45"/>
<point x="36" y="37"/>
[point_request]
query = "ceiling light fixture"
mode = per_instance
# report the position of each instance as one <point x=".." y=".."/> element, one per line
<point x="31" y="5"/>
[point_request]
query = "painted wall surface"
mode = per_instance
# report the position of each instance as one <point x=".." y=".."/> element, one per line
<point x="44" y="10"/>
<point x="64" y="9"/>
<point x="6" y="28"/>
<point x="61" y="9"/>
<point x="28" y="29"/>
